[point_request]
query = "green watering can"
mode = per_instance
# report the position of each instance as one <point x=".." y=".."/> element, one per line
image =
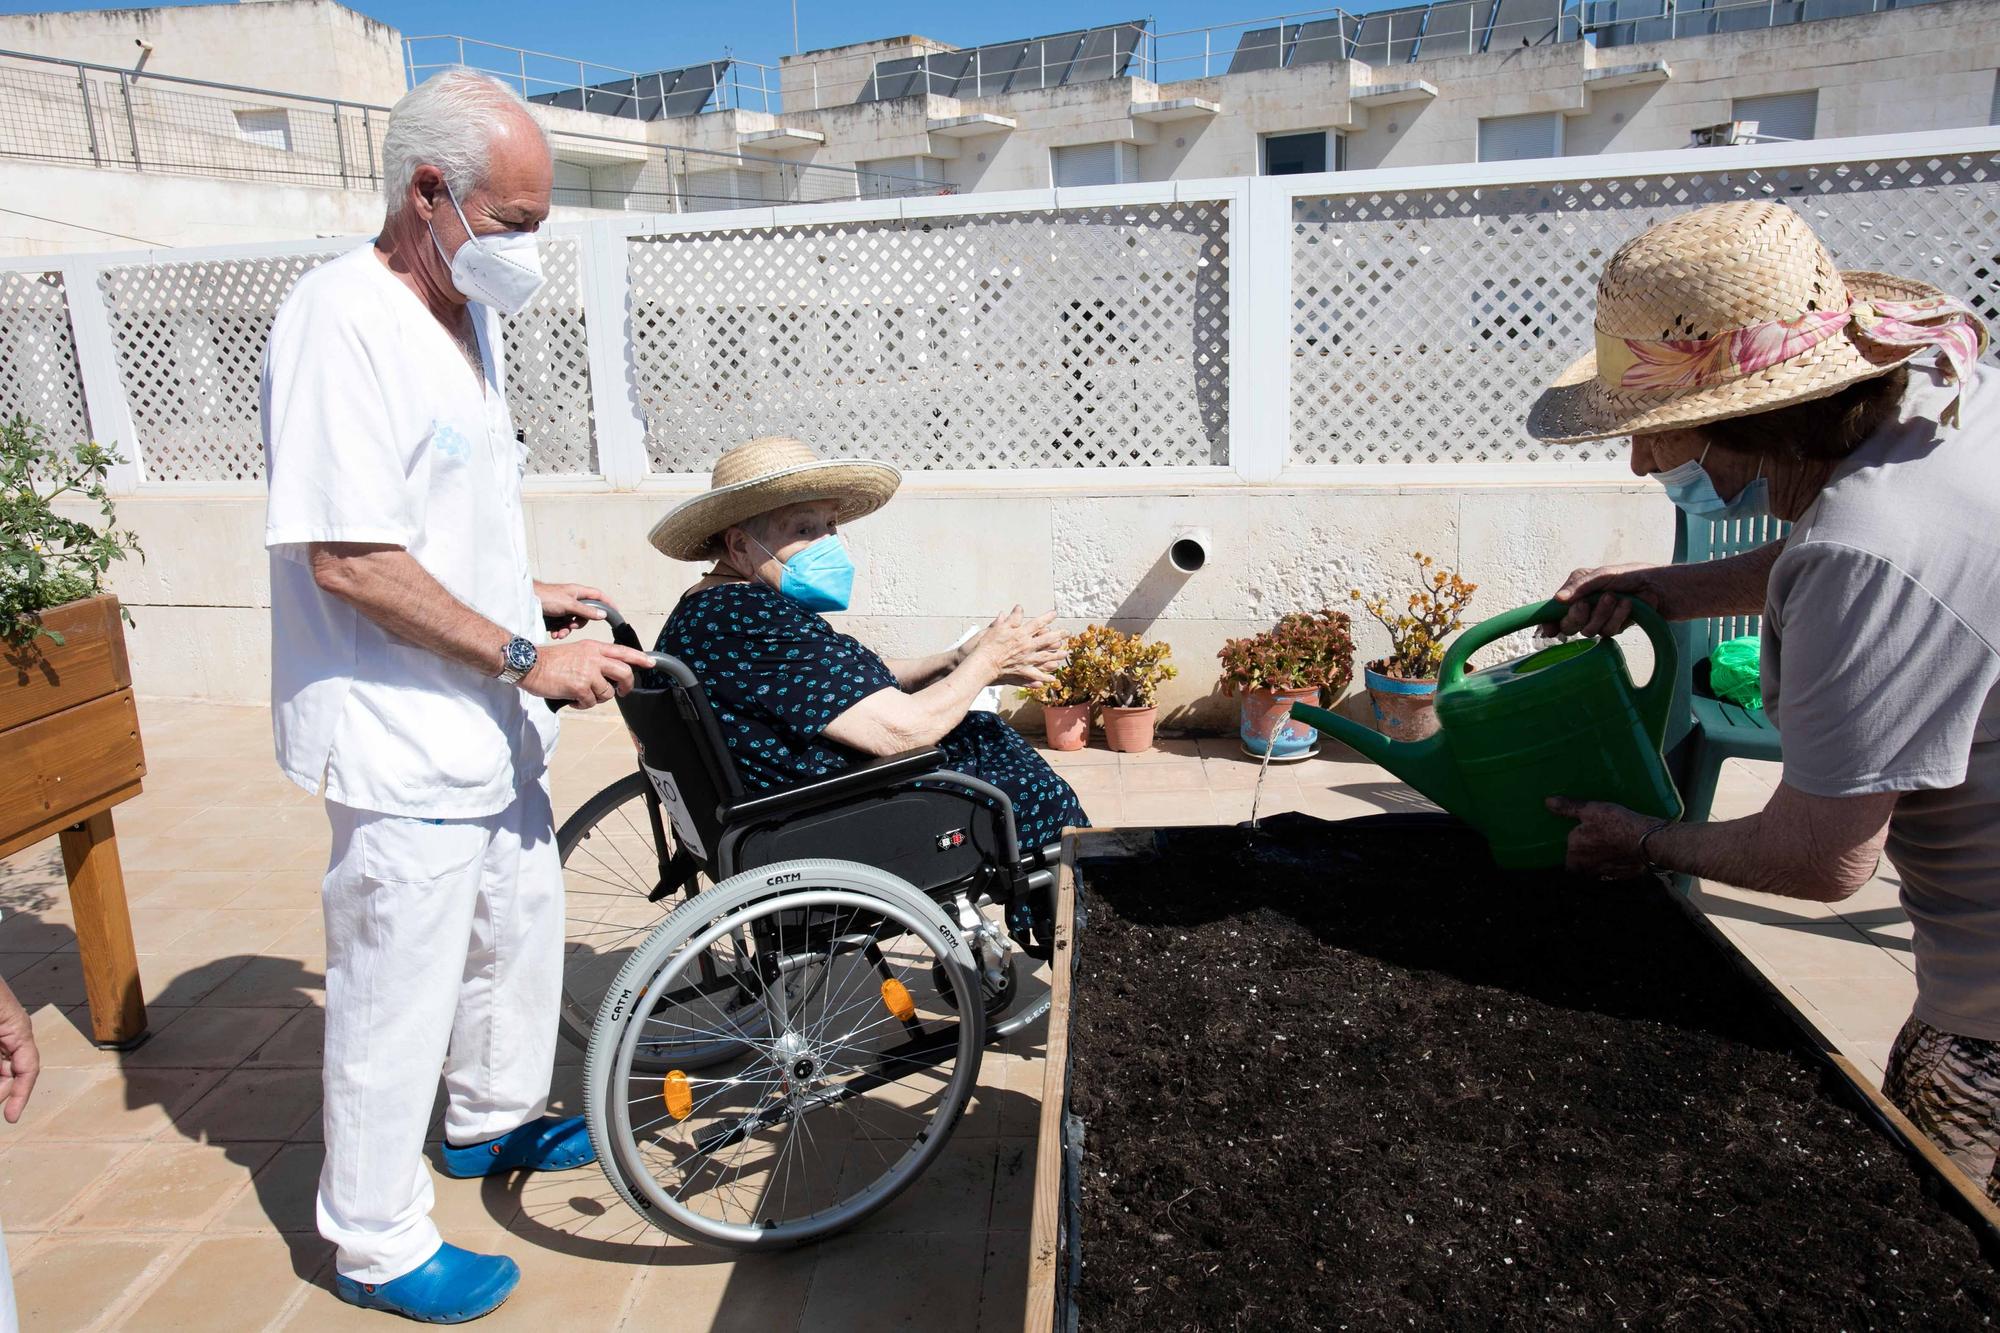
<point x="1564" y="721"/>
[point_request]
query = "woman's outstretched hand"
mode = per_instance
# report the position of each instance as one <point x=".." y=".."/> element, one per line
<point x="1015" y="650"/>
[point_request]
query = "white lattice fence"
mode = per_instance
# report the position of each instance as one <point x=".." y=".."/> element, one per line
<point x="1079" y="338"/>
<point x="190" y="339"/>
<point x="1426" y="319"/>
<point x="548" y="368"/>
<point x="39" y="379"/>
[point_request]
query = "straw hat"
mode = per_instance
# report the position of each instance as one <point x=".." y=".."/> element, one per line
<point x="1735" y="309"/>
<point x="765" y="474"/>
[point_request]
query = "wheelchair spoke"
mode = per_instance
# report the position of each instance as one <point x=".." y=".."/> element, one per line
<point x="833" y="1102"/>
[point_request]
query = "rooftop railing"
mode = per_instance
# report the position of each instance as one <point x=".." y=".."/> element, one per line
<point x="77" y="113"/>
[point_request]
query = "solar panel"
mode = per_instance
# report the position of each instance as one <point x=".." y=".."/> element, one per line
<point x="942" y="72"/>
<point x="1449" y="29"/>
<point x="1257" y="49"/>
<point x="1527" y="22"/>
<point x="1371" y="39"/>
<point x="1405" y="25"/>
<point x="995" y="65"/>
<point x="671" y="92"/>
<point x="892" y="79"/>
<point x="693" y="89"/>
<point x="1321" y="42"/>
<point x="1040" y="62"/>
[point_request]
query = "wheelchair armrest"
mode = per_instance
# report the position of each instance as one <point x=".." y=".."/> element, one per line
<point x="872" y="776"/>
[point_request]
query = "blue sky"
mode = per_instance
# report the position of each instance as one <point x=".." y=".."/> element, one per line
<point x="645" y="37"/>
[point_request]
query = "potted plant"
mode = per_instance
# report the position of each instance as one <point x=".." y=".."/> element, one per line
<point x="1402" y="687"/>
<point x="1307" y="657"/>
<point x="1122" y="675"/>
<point x="1065" y="705"/>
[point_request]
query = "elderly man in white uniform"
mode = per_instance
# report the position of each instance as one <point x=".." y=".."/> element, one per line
<point x="407" y="682"/>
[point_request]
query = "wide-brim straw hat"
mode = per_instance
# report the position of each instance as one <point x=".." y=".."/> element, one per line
<point x="1677" y="305"/>
<point x="765" y="474"/>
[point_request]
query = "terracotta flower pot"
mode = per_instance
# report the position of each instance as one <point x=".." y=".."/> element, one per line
<point x="1405" y="710"/>
<point x="1067" y="725"/>
<point x="1129" y="730"/>
<point x="1266" y="724"/>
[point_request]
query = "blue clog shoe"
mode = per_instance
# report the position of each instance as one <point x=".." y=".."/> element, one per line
<point x="548" y="1144"/>
<point x="450" y="1287"/>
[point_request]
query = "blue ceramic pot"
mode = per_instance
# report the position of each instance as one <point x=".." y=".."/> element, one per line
<point x="1266" y="724"/>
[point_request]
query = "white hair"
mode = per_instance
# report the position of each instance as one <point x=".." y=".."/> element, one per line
<point x="449" y="122"/>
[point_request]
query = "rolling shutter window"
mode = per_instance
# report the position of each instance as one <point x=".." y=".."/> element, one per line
<point x="1781" y="115"/>
<point x="1094" y="164"/>
<point x="1511" y="138"/>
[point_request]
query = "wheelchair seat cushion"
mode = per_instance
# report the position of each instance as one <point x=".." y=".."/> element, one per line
<point x="776" y="674"/>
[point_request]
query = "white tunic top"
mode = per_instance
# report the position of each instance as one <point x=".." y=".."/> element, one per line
<point x="377" y="429"/>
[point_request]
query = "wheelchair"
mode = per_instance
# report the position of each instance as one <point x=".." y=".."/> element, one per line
<point x="789" y="991"/>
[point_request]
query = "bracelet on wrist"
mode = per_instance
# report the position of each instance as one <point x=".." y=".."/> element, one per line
<point x="1645" y="853"/>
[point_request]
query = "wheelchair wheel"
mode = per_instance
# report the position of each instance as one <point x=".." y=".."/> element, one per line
<point x="848" y="1091"/>
<point x="620" y="880"/>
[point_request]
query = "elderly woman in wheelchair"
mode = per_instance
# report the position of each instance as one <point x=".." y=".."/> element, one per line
<point x="850" y="854"/>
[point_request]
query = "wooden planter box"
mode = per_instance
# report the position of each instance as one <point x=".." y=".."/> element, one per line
<point x="1057" y="1247"/>
<point x="70" y="731"/>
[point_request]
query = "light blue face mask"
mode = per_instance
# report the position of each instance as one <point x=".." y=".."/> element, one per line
<point x="820" y="577"/>
<point x="1691" y="488"/>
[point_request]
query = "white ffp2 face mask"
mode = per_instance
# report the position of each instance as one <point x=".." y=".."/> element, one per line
<point x="502" y="270"/>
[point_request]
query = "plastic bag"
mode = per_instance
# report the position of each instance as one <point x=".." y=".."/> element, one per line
<point x="1733" y="671"/>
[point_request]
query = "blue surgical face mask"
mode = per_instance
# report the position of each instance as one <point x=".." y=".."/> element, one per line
<point x="820" y="577"/>
<point x="1690" y="487"/>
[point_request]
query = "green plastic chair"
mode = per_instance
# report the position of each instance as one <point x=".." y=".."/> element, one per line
<point x="1706" y="730"/>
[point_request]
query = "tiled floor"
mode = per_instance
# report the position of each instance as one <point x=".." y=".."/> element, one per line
<point x="172" y="1187"/>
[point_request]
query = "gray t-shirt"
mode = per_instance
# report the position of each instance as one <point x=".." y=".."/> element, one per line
<point x="1880" y="667"/>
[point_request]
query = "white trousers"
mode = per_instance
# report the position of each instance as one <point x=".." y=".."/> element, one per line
<point x="444" y="948"/>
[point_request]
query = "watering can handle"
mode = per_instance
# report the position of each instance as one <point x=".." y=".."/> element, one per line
<point x="1654" y="700"/>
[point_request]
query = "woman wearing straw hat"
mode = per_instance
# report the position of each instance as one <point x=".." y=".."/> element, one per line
<point x="1754" y="376"/>
<point x="798" y="700"/>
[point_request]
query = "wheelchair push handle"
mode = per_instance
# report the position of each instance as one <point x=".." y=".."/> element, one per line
<point x="622" y="634"/>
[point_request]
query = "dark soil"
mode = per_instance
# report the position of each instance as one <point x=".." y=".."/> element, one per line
<point x="1352" y="1076"/>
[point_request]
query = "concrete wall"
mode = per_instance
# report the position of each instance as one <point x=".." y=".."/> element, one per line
<point x="297" y="46"/>
<point x="936" y="561"/>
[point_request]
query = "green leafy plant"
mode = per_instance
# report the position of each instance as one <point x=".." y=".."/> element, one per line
<point x="1418" y="629"/>
<point x="1303" y="651"/>
<point x="47" y="557"/>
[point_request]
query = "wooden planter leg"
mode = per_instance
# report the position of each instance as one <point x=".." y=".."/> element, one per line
<point x="104" y="932"/>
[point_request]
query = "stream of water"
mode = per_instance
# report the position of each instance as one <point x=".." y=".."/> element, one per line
<point x="1257" y="797"/>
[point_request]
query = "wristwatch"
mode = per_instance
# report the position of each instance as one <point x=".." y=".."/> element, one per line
<point x="517" y="659"/>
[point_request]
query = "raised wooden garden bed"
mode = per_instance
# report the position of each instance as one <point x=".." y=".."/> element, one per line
<point x="70" y="732"/>
<point x="1350" y="1075"/>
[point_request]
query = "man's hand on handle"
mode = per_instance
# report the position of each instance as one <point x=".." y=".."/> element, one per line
<point x="563" y="606"/>
<point x="584" y="673"/>
<point x="1596" y="598"/>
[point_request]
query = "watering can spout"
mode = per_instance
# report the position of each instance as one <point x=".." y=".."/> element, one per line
<point x="1426" y="764"/>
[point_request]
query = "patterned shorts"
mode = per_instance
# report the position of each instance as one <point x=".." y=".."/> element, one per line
<point x="1950" y="1088"/>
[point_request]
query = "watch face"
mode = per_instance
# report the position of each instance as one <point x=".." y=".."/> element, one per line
<point x="520" y="655"/>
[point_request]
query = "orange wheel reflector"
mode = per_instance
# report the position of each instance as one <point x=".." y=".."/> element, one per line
<point x="679" y="1098"/>
<point x="897" y="997"/>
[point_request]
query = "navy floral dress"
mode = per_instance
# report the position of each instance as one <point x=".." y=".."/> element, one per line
<point x="776" y="674"/>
